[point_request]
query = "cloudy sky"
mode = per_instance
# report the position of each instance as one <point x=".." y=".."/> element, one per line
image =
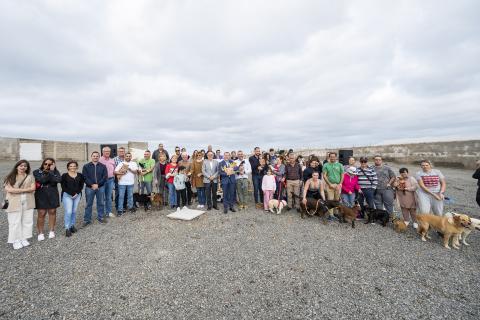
<point x="237" y="74"/>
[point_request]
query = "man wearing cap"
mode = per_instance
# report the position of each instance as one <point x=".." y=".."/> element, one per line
<point x="367" y="180"/>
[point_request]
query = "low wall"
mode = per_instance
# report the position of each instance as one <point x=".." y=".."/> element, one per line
<point x="461" y="154"/>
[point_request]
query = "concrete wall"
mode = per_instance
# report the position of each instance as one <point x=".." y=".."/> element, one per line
<point x="9" y="149"/>
<point x="461" y="154"/>
<point x="59" y="150"/>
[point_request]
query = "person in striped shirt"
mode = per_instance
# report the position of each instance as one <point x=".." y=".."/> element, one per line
<point x="367" y="180"/>
<point x="432" y="188"/>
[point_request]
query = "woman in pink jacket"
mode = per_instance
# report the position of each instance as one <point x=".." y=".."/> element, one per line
<point x="350" y="187"/>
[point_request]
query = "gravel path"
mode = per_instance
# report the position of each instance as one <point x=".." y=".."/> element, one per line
<point x="243" y="265"/>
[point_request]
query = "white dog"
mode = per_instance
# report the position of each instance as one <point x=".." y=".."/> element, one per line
<point x="474" y="225"/>
<point x="276" y="206"/>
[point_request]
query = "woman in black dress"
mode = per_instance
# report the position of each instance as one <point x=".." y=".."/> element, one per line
<point x="46" y="196"/>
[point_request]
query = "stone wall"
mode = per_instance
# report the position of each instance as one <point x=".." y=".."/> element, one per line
<point x="462" y="154"/>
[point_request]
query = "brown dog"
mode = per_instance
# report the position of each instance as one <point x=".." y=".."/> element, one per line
<point x="399" y="225"/>
<point x="157" y="200"/>
<point x="314" y="207"/>
<point x="346" y="214"/>
<point x="449" y="227"/>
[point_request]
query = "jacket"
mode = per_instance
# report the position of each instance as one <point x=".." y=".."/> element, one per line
<point x="207" y="171"/>
<point x="94" y="174"/>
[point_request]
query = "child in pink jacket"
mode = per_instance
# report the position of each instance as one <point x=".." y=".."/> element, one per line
<point x="349" y="186"/>
<point x="268" y="186"/>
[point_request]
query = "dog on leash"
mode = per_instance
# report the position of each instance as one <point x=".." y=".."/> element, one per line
<point x="475" y="225"/>
<point x="276" y="206"/>
<point x="347" y="214"/>
<point x="450" y="227"/>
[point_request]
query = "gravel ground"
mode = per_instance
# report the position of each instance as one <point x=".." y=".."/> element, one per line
<point x="243" y="265"/>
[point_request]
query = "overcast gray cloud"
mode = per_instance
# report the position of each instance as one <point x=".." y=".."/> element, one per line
<point x="237" y="74"/>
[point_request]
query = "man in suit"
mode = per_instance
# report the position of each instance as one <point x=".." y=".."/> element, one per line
<point x="210" y="180"/>
<point x="227" y="176"/>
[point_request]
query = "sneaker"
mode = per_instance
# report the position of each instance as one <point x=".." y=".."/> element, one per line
<point x="51" y="235"/>
<point x="120" y="213"/>
<point x="258" y="205"/>
<point x="41" y="237"/>
<point x="25" y="243"/>
<point x="102" y="221"/>
<point x="199" y="206"/>
<point x="73" y="229"/>
<point x="17" y="245"/>
<point x="415" y="225"/>
<point x="68" y="233"/>
<point x="110" y="215"/>
<point x="266" y="210"/>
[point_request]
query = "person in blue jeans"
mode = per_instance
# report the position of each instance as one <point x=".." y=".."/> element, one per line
<point x="227" y="169"/>
<point x="95" y="175"/>
<point x="72" y="185"/>
<point x="257" y="178"/>
<point x="110" y="183"/>
<point x="126" y="172"/>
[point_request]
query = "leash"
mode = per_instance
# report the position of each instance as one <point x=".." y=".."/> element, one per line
<point x="314" y="212"/>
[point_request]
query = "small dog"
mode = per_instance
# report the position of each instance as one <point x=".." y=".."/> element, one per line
<point x="377" y="214"/>
<point x="157" y="200"/>
<point x="448" y="226"/>
<point x="475" y="225"/>
<point x="142" y="199"/>
<point x="276" y="206"/>
<point x="399" y="225"/>
<point x="346" y="214"/>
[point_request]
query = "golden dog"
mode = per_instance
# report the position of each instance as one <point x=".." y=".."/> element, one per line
<point x="399" y="225"/>
<point x="448" y="226"/>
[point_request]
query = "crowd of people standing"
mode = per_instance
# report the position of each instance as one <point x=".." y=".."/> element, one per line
<point x="182" y="179"/>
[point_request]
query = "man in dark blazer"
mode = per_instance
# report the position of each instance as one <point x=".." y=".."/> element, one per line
<point x="227" y="175"/>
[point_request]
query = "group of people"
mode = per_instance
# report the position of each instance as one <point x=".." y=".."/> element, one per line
<point x="182" y="178"/>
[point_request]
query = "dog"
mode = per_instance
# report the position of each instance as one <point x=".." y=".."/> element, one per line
<point x="448" y="226"/>
<point x="314" y="207"/>
<point x="399" y="225"/>
<point x="157" y="200"/>
<point x="377" y="215"/>
<point x="276" y="206"/>
<point x="142" y="199"/>
<point x="346" y="214"/>
<point x="475" y="225"/>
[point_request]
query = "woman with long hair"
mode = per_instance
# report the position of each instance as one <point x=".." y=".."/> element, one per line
<point x="19" y="187"/>
<point x="47" y="198"/>
<point x="72" y="186"/>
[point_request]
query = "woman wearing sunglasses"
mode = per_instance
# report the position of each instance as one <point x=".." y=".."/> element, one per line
<point x="46" y="196"/>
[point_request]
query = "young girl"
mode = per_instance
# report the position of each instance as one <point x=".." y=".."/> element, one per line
<point x="170" y="173"/>
<point x="268" y="186"/>
<point x="180" y="187"/>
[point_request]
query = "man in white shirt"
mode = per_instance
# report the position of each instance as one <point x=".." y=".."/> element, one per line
<point x="126" y="172"/>
<point x="246" y="163"/>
